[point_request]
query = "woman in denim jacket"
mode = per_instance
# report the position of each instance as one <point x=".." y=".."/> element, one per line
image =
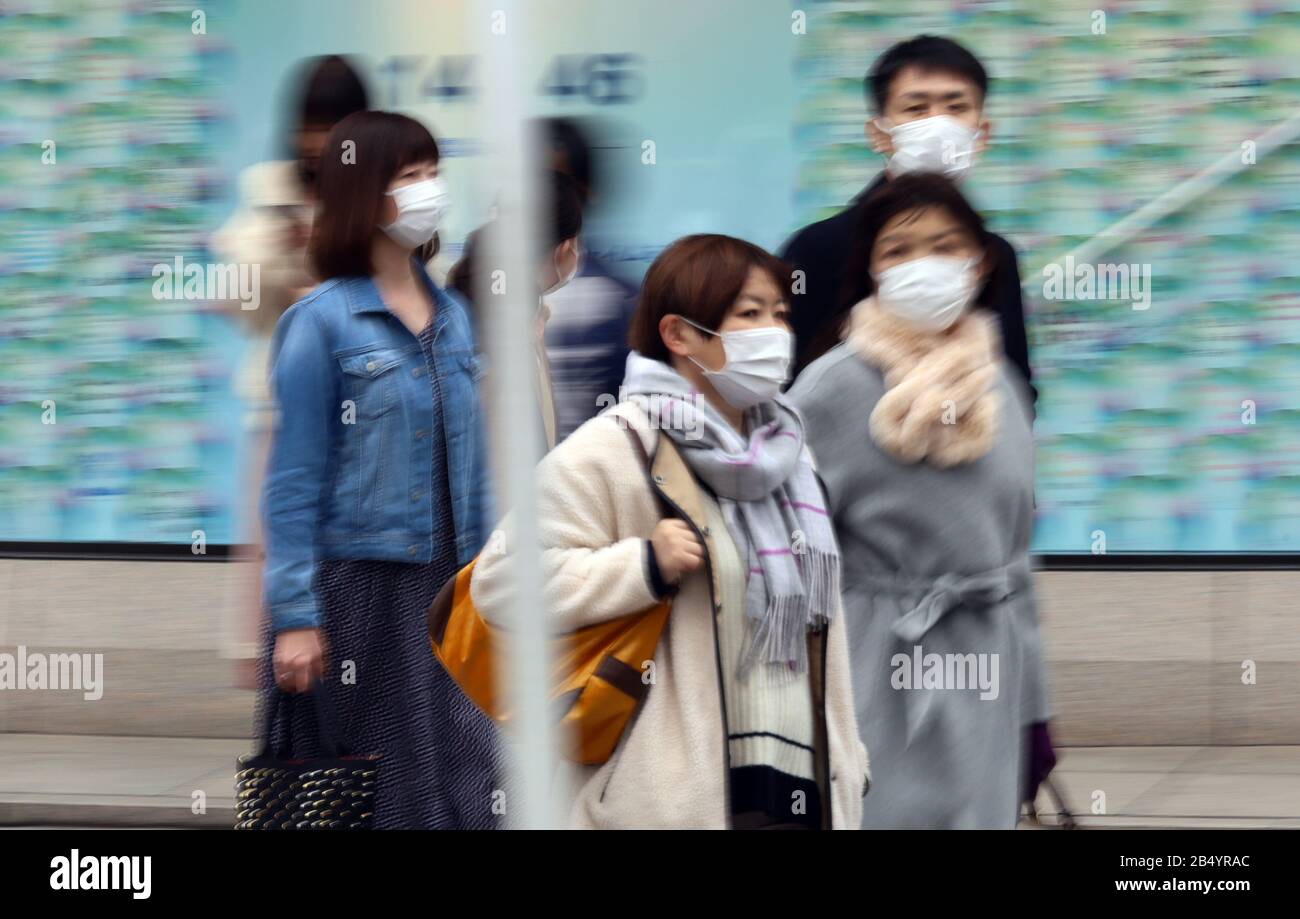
<point x="375" y="488"/>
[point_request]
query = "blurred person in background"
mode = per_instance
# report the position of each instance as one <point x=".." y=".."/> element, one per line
<point x="270" y="228"/>
<point x="586" y="335"/>
<point x="376" y="488"/>
<point x="922" y="433"/>
<point x="928" y="94"/>
<point x="471" y="278"/>
<point x="749" y="722"/>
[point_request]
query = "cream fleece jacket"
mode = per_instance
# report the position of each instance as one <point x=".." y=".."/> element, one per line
<point x="596" y="513"/>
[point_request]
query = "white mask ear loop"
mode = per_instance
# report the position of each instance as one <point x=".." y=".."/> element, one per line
<point x="701" y="328"/>
<point x="561" y="279"/>
<point x="883" y="130"/>
<point x="696" y="325"/>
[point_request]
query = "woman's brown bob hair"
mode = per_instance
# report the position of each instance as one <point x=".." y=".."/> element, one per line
<point x="698" y="277"/>
<point x="363" y="155"/>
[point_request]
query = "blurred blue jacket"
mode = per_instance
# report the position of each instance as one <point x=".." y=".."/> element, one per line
<point x="586" y="342"/>
<point x="350" y="473"/>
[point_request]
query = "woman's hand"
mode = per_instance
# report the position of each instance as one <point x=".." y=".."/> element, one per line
<point x="677" y="549"/>
<point x="299" y="659"/>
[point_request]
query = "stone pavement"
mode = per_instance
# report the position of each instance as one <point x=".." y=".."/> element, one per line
<point x="88" y="780"/>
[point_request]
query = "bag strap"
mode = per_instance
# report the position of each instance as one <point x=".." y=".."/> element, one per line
<point x="326" y="727"/>
<point x="647" y="462"/>
<point x="268" y="722"/>
<point x="1065" y="815"/>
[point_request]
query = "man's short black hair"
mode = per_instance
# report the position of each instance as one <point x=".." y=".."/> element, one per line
<point x="929" y="53"/>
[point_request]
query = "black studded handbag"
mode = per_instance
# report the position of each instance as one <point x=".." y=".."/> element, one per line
<point x="333" y="792"/>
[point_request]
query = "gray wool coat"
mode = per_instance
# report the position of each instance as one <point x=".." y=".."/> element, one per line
<point x="939" y="604"/>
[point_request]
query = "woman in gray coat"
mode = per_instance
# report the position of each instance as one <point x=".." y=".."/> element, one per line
<point x="923" y="438"/>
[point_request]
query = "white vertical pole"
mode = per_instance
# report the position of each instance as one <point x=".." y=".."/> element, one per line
<point x="514" y="409"/>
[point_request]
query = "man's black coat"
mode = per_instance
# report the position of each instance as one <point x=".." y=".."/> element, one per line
<point x="821" y="250"/>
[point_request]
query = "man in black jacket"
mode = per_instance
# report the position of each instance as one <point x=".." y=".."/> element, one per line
<point x="928" y="93"/>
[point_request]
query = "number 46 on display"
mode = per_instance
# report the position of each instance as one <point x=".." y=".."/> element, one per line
<point x="598" y="79"/>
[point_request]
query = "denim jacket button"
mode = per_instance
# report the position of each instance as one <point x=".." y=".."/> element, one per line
<point x="415" y="371"/>
<point x="411" y="550"/>
<point x="370" y="365"/>
<point x="419" y="435"/>
<point x="415" y="494"/>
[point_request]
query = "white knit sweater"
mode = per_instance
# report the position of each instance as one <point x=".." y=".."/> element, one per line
<point x="769" y="713"/>
<point x="596" y="512"/>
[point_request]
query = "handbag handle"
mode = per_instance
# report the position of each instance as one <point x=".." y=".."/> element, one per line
<point x="1064" y="815"/>
<point x="330" y="742"/>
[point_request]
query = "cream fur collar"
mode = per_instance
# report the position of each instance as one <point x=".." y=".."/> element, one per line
<point x="939" y="403"/>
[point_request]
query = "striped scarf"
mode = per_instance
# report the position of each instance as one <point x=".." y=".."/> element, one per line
<point x="770" y="497"/>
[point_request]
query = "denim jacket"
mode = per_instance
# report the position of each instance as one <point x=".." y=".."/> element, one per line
<point x="350" y="473"/>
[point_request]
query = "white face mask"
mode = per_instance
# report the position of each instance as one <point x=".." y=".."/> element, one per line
<point x="758" y="364"/>
<point x="937" y="144"/>
<point x="420" y="208"/>
<point x="931" y="292"/>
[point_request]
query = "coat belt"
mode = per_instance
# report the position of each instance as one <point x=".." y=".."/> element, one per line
<point x="945" y="593"/>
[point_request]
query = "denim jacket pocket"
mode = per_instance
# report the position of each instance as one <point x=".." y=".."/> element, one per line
<point x="462" y="373"/>
<point x="370" y="380"/>
<point x="372" y="468"/>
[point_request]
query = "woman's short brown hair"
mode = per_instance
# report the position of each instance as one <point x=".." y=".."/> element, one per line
<point x="698" y="277"/>
<point x="365" y="151"/>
